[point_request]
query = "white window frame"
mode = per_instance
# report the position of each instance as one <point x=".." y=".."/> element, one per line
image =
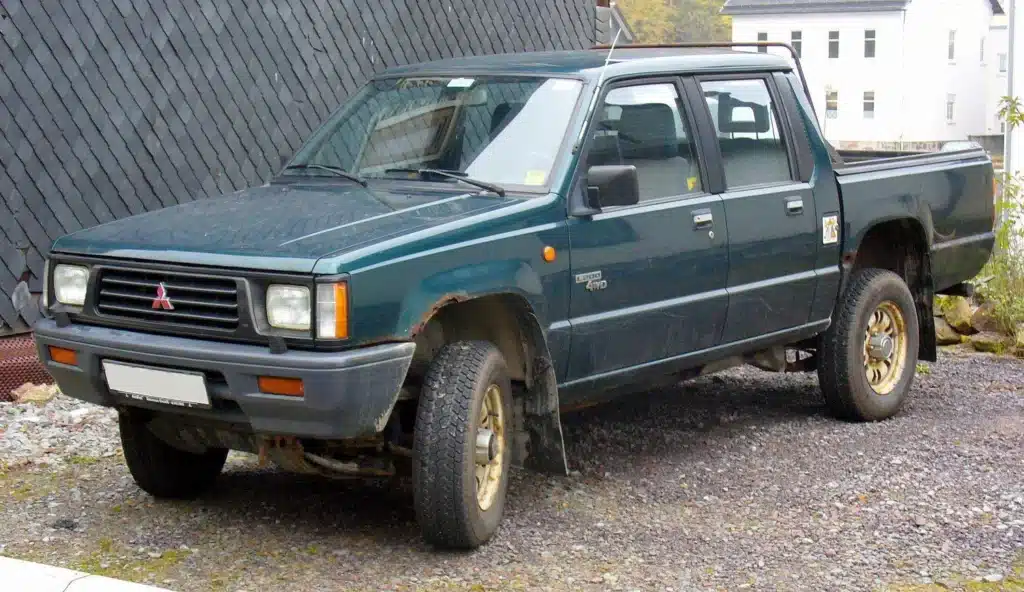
<point x="831" y="95"/>
<point x="869" y="114"/>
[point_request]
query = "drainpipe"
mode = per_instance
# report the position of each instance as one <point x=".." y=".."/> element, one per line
<point x="903" y="72"/>
<point x="1010" y="89"/>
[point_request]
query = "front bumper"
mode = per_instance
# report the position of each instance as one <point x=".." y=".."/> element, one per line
<point x="347" y="394"/>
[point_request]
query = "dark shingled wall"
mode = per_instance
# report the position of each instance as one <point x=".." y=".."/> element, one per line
<point x="110" y="108"/>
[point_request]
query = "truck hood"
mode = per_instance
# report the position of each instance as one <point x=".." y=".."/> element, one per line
<point x="279" y="227"/>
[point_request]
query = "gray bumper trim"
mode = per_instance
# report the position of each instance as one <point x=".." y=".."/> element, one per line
<point x="347" y="394"/>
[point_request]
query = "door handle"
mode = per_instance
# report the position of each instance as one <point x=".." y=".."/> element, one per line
<point x="703" y="219"/>
<point x="794" y="205"/>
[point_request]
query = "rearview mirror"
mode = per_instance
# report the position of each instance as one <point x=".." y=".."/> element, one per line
<point x="612" y="185"/>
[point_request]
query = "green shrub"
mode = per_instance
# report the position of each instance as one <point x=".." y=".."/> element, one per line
<point x="1001" y="282"/>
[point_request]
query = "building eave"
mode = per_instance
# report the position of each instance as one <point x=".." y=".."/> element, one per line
<point x="620" y="20"/>
<point x="816" y="7"/>
<point x="831" y="7"/>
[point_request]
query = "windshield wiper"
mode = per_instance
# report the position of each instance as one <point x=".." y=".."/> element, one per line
<point x="333" y="169"/>
<point x="457" y="175"/>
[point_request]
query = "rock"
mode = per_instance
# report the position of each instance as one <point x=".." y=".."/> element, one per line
<point x="34" y="393"/>
<point x="959" y="314"/>
<point x="992" y="343"/>
<point x="945" y="334"/>
<point x="65" y="524"/>
<point x="993" y="578"/>
<point x="983" y="321"/>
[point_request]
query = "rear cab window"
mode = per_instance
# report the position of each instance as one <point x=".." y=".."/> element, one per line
<point x="749" y="132"/>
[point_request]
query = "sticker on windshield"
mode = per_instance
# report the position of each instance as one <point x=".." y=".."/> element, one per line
<point x="460" y="83"/>
<point x="534" y="178"/>
<point x="691" y="182"/>
<point x="830" y="230"/>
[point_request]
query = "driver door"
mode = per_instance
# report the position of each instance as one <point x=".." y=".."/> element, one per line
<point x="648" y="279"/>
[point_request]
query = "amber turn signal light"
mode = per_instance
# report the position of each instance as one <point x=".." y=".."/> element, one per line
<point x="274" y="385"/>
<point x="549" y="253"/>
<point x="332" y="310"/>
<point x="64" y="356"/>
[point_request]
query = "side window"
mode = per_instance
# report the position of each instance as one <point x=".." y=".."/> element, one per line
<point x="747" y="125"/>
<point x="645" y="126"/>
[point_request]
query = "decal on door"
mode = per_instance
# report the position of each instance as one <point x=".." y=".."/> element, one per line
<point x="830" y="229"/>
<point x="593" y="281"/>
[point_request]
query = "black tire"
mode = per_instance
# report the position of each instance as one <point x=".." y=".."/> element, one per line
<point x="841" y="363"/>
<point x="444" y="480"/>
<point x="162" y="470"/>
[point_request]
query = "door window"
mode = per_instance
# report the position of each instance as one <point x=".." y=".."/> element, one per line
<point x="748" y="130"/>
<point x="645" y="126"/>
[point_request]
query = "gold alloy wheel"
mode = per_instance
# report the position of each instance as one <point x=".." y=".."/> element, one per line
<point x="490" y="448"/>
<point x="885" y="347"/>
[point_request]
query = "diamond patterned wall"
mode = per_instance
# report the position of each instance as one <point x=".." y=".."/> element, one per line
<point x="110" y="108"/>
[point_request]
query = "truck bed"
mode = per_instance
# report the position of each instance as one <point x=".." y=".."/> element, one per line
<point x="948" y="193"/>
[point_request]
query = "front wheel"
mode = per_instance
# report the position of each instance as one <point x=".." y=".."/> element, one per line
<point x="462" y="445"/>
<point x="162" y="470"/>
<point x="868" y="356"/>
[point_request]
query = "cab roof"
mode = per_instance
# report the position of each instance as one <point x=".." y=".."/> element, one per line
<point x="588" y="63"/>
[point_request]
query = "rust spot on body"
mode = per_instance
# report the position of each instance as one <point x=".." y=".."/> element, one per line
<point x="440" y="303"/>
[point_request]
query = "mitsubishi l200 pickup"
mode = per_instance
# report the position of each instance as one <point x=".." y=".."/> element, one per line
<point x="466" y="247"/>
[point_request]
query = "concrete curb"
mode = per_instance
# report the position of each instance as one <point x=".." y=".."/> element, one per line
<point x="37" y="577"/>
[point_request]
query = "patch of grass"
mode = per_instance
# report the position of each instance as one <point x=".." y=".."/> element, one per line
<point x="924" y="369"/>
<point x="113" y="561"/>
<point x="106" y="545"/>
<point x="1011" y="582"/>
<point x="76" y="459"/>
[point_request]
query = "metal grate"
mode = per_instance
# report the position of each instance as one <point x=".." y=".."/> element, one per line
<point x="19" y="364"/>
<point x="172" y="298"/>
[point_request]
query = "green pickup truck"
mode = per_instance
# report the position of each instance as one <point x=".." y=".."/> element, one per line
<point x="468" y="247"/>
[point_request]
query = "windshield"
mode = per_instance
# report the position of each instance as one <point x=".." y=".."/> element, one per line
<point x="500" y="129"/>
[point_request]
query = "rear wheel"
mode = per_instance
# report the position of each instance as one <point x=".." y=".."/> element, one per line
<point x="461" y="445"/>
<point x="163" y="470"/>
<point x="868" y="356"/>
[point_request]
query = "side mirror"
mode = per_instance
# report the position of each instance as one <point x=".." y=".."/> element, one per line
<point x="612" y="185"/>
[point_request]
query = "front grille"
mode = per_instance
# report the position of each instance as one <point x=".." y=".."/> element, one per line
<point x="195" y="301"/>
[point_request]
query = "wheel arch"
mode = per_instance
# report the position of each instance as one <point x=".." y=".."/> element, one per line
<point x="901" y="245"/>
<point x="510" y="321"/>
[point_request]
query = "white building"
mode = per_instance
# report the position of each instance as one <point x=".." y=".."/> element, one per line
<point x="997" y="64"/>
<point x="888" y="74"/>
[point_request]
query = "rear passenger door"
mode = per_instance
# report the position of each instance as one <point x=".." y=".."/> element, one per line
<point x="771" y="215"/>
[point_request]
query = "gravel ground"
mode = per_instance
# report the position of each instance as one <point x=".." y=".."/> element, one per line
<point x="738" y="481"/>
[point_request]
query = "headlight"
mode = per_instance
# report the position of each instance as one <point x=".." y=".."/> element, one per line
<point x="288" y="307"/>
<point x="332" y="311"/>
<point x="70" y="283"/>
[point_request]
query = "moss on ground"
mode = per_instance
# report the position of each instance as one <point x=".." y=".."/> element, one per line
<point x="116" y="561"/>
<point x="1011" y="582"/>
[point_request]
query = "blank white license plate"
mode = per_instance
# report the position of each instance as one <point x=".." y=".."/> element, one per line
<point x="184" y="389"/>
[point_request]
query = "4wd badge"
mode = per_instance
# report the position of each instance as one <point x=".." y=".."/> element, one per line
<point x="830" y="230"/>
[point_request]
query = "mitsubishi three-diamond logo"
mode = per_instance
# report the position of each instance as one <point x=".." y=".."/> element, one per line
<point x="162" y="301"/>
